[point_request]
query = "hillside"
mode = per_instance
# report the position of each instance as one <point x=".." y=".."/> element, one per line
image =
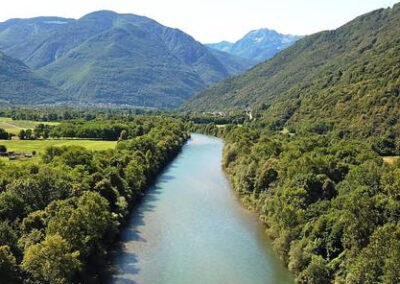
<point x="20" y="85"/>
<point x="349" y="77"/>
<point x="111" y="58"/>
<point x="258" y="45"/>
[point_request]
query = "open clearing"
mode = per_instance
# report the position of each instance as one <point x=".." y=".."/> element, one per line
<point x="28" y="146"/>
<point x="15" y="126"/>
<point x="40" y="145"/>
<point x="391" y="159"/>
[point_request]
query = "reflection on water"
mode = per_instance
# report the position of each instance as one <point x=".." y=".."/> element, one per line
<point x="190" y="228"/>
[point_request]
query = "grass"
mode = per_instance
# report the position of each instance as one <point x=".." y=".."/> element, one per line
<point x="391" y="159"/>
<point x="15" y="126"/>
<point x="39" y="146"/>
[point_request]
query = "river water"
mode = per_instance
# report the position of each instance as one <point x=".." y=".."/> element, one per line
<point x="190" y="228"/>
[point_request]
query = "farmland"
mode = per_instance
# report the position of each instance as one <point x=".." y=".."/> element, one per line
<point x="14" y="126"/>
<point x="29" y="146"/>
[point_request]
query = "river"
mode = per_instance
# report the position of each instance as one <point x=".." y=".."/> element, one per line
<point x="191" y="229"/>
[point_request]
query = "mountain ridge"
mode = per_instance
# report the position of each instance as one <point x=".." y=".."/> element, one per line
<point x="257" y="45"/>
<point x="348" y="74"/>
<point x="97" y="58"/>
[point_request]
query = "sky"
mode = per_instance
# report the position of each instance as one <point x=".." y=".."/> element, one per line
<point x="211" y="20"/>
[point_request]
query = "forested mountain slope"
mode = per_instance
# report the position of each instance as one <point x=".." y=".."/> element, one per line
<point x="349" y="77"/>
<point x="106" y="57"/>
<point x="19" y="84"/>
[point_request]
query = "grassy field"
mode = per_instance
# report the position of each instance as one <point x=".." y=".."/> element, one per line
<point x="14" y="126"/>
<point x="40" y="145"/>
<point x="391" y="160"/>
<point x="28" y="146"/>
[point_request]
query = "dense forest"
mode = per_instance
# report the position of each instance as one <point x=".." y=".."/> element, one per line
<point x="331" y="205"/>
<point x="58" y="217"/>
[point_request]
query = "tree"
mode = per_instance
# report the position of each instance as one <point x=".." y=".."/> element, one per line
<point x="8" y="237"/>
<point x="11" y="205"/>
<point x="379" y="259"/>
<point x="86" y="227"/>
<point x="9" y="272"/>
<point x="52" y="261"/>
<point x="22" y="134"/>
<point x="316" y="273"/>
<point x="266" y="176"/>
<point x="28" y="134"/>
<point x="4" y="135"/>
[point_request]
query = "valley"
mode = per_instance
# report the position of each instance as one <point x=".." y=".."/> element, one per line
<point x="133" y="152"/>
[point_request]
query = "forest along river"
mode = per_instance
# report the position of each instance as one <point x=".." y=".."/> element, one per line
<point x="190" y="228"/>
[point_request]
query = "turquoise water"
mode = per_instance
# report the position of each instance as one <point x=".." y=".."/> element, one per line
<point x="190" y="228"/>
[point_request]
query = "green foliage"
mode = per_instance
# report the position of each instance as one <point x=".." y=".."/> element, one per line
<point x="331" y="205"/>
<point x="8" y="266"/>
<point x="96" y="129"/>
<point x="83" y="224"/>
<point x="52" y="261"/>
<point x="60" y="216"/>
<point x="4" y="135"/>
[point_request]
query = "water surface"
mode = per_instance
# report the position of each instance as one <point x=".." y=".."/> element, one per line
<point x="190" y="228"/>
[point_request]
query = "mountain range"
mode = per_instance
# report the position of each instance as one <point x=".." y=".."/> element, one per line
<point x="258" y="45"/>
<point x="110" y="58"/>
<point x="349" y="77"/>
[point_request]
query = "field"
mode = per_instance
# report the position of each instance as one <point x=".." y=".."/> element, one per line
<point x="391" y="160"/>
<point x="28" y="146"/>
<point x="14" y="126"/>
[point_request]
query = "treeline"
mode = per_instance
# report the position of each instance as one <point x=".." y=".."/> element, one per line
<point x="54" y="114"/>
<point x="59" y="217"/>
<point x="237" y="117"/>
<point x="331" y="205"/>
<point x="115" y="129"/>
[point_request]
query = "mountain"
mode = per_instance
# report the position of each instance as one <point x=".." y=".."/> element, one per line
<point x="20" y="85"/>
<point x="110" y="58"/>
<point x="232" y="62"/>
<point x="349" y="77"/>
<point x="15" y="32"/>
<point x="258" y="45"/>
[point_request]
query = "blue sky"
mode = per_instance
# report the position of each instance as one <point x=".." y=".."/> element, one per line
<point x="211" y="20"/>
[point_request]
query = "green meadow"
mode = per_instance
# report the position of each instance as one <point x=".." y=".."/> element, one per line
<point x="15" y="126"/>
<point x="41" y="145"/>
<point x="28" y="146"/>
